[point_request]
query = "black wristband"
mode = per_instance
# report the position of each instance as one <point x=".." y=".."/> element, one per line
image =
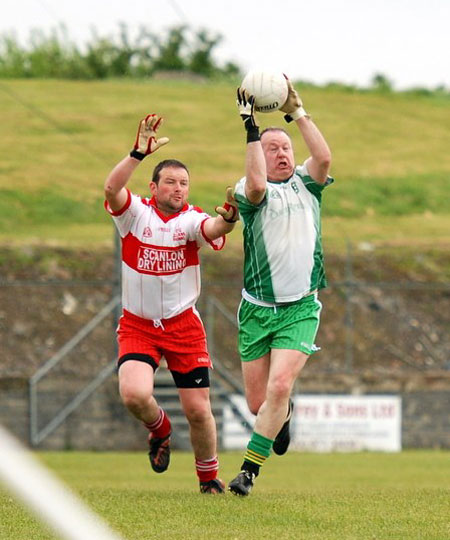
<point x="253" y="134"/>
<point x="137" y="155"/>
<point x="251" y="128"/>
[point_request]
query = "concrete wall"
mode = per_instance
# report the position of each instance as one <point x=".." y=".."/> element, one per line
<point x="426" y="419"/>
<point x="102" y="423"/>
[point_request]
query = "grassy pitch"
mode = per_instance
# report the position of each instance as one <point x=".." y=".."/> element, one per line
<point x="297" y="496"/>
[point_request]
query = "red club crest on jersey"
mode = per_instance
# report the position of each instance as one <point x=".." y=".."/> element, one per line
<point x="179" y="234"/>
<point x="147" y="232"/>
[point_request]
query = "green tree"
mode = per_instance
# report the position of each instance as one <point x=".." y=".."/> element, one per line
<point x="13" y="58"/>
<point x="54" y="55"/>
<point x="201" y="57"/>
<point x="381" y="83"/>
<point x="170" y="51"/>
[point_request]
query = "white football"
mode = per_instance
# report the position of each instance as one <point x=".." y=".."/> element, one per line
<point x="269" y="88"/>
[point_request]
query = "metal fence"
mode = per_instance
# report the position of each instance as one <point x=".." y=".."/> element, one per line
<point x="61" y="334"/>
<point x="368" y="323"/>
<point x="364" y="326"/>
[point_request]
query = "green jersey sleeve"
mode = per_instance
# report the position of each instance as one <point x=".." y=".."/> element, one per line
<point x="310" y="184"/>
<point x="246" y="208"/>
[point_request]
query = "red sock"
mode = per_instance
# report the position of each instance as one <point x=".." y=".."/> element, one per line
<point x="161" y="427"/>
<point x="207" y="468"/>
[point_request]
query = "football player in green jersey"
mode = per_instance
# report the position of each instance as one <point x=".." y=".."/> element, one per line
<point x="279" y="205"/>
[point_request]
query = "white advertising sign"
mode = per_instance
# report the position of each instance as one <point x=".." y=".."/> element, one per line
<point x="327" y="423"/>
<point x="347" y="423"/>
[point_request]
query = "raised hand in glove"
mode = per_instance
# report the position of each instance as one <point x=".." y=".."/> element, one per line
<point x="293" y="106"/>
<point x="146" y="142"/>
<point x="246" y="106"/>
<point x="229" y="210"/>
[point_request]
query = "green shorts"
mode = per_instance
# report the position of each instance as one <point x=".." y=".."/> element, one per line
<point x="292" y="326"/>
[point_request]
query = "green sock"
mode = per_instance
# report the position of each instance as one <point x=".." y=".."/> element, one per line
<point x="258" y="450"/>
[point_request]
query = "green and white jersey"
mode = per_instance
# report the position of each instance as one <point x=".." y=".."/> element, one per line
<point x="283" y="258"/>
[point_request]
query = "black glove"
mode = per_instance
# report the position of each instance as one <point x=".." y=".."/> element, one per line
<point x="246" y="106"/>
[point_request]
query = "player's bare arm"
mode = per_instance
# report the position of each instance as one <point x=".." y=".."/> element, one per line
<point x="145" y="144"/>
<point x="255" y="164"/>
<point x="115" y="192"/>
<point x="320" y="160"/>
<point x="255" y="172"/>
<point x="225" y="221"/>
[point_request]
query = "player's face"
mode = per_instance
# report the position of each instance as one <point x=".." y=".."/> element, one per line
<point x="277" y="148"/>
<point x="172" y="190"/>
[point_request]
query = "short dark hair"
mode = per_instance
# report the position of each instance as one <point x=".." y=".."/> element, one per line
<point x="167" y="163"/>
<point x="274" y="129"/>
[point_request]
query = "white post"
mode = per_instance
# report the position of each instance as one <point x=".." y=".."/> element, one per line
<point x="47" y="496"/>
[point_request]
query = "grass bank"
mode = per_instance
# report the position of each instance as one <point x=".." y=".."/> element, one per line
<point x="61" y="138"/>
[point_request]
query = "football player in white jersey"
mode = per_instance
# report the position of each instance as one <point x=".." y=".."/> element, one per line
<point x="161" y="237"/>
<point x="279" y="205"/>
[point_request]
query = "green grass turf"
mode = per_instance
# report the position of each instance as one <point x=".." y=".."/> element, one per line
<point x="60" y="139"/>
<point x="299" y="496"/>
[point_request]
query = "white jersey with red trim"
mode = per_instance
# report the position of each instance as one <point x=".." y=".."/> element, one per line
<point x="160" y="262"/>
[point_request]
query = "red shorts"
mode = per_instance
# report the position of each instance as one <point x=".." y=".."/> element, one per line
<point x="180" y="339"/>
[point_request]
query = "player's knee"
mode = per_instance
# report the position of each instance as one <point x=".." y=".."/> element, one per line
<point x="134" y="399"/>
<point x="198" y="415"/>
<point x="254" y="405"/>
<point x="279" y="388"/>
